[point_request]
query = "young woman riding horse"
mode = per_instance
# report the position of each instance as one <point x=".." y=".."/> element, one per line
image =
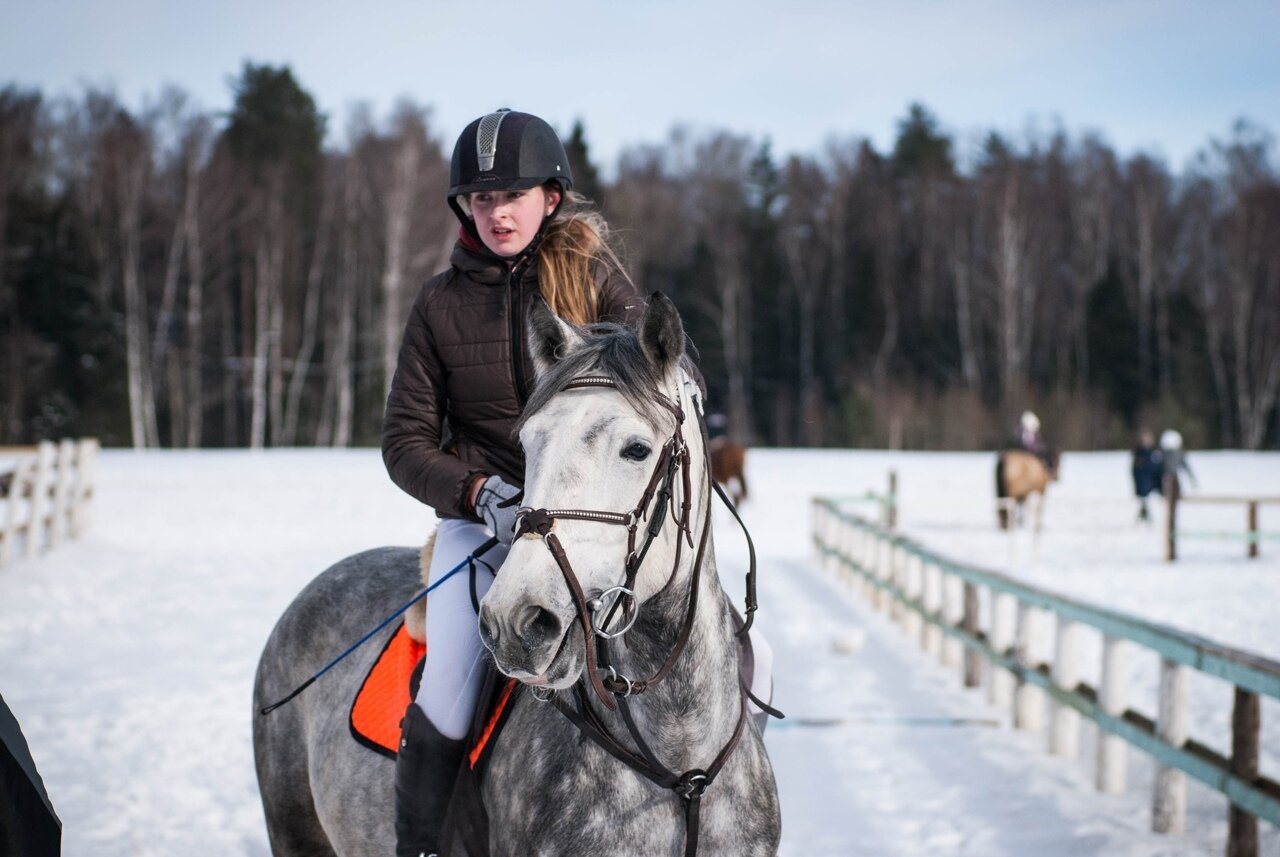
<point x="629" y="731"/>
<point x="462" y="381"/>
<point x="463" y="376"/>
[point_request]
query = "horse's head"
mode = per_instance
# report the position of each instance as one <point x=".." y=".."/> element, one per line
<point x="590" y="447"/>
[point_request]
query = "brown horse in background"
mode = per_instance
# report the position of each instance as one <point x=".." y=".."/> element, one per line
<point x="728" y="467"/>
<point x="1019" y="474"/>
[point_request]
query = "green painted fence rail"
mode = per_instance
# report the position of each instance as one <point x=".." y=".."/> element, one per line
<point x="911" y="582"/>
<point x="1252" y="536"/>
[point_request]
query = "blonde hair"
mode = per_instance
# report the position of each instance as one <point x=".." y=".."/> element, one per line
<point x="574" y="245"/>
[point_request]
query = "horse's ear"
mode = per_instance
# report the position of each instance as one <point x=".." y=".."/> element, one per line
<point x="662" y="334"/>
<point x="550" y="338"/>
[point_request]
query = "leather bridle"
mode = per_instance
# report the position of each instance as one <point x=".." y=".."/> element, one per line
<point x="610" y="687"/>
<point x="672" y="463"/>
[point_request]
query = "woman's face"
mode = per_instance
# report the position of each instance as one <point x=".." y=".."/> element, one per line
<point x="507" y="220"/>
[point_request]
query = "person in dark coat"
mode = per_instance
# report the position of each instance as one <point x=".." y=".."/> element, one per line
<point x="462" y="378"/>
<point x="1147" y="471"/>
<point x="28" y="824"/>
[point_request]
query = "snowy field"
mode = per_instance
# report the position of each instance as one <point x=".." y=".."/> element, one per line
<point x="128" y="656"/>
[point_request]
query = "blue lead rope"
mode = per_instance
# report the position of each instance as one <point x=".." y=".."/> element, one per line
<point x="466" y="563"/>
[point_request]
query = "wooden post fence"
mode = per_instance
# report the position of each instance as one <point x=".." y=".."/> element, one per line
<point x="1252" y="535"/>
<point x="46" y="494"/>
<point x="944" y="595"/>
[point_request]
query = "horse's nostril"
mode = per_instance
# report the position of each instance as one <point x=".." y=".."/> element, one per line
<point x="488" y="628"/>
<point x="536" y="625"/>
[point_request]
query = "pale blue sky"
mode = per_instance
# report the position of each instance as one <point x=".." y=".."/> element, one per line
<point x="1158" y="76"/>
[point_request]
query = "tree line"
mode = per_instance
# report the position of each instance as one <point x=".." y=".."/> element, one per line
<point x="172" y="277"/>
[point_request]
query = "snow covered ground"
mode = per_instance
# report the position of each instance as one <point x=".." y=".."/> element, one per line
<point x="128" y="656"/>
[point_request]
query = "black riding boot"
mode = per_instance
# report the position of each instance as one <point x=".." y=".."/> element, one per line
<point x="426" y="768"/>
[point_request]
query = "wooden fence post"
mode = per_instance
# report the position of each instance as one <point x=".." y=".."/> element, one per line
<point x="1028" y="708"/>
<point x="871" y="564"/>
<point x="1246" y="723"/>
<point x="891" y="506"/>
<point x="815" y="516"/>
<point x="972" y="657"/>
<point x="884" y="572"/>
<point x="59" y="517"/>
<point x="897" y="578"/>
<point x="1114" y="700"/>
<point x="932" y="606"/>
<point x="39" y="498"/>
<point x="1169" y="802"/>
<point x="1253" y="529"/>
<point x="847" y="543"/>
<point x="23" y="473"/>
<point x="86" y="475"/>
<point x="838" y="539"/>
<point x="870" y="550"/>
<point x="1066" y="675"/>
<point x="952" y="614"/>
<point x="999" y="680"/>
<point x="914" y="586"/>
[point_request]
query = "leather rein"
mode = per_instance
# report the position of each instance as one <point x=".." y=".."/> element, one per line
<point x="612" y="688"/>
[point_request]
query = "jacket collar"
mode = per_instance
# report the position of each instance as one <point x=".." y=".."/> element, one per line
<point x="474" y="259"/>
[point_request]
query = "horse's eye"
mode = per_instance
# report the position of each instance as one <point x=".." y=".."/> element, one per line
<point x="637" y="451"/>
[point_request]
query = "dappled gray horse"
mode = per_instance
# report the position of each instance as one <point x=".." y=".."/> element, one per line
<point x="612" y="408"/>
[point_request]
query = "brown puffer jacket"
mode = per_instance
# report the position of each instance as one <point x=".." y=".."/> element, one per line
<point x="460" y="386"/>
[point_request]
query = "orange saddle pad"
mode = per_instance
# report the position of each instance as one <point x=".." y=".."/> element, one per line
<point x="381" y="700"/>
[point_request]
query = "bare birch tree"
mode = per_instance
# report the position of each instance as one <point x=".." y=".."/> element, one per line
<point x="718" y="176"/>
<point x="802" y="231"/>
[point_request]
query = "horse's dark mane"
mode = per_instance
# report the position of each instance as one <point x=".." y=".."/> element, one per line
<point x="612" y="351"/>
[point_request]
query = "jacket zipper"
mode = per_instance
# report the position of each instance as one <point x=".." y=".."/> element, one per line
<point x="516" y="315"/>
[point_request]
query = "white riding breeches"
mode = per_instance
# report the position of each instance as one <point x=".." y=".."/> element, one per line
<point x="454" y="667"/>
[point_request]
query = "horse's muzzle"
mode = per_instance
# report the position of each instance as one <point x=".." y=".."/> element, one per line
<point x="523" y="645"/>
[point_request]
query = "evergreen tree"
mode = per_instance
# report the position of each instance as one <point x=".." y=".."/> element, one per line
<point x="275" y="123"/>
<point x="586" y="178"/>
<point x="274" y="135"/>
<point x="921" y="148"/>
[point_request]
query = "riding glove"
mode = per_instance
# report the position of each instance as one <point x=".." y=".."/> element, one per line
<point x="496" y="505"/>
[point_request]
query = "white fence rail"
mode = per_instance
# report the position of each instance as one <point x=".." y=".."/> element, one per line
<point x="46" y="494"/>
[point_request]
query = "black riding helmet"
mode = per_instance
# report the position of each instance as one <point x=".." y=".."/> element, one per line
<point x="506" y="150"/>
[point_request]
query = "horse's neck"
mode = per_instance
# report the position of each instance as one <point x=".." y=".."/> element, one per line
<point x="689" y="715"/>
